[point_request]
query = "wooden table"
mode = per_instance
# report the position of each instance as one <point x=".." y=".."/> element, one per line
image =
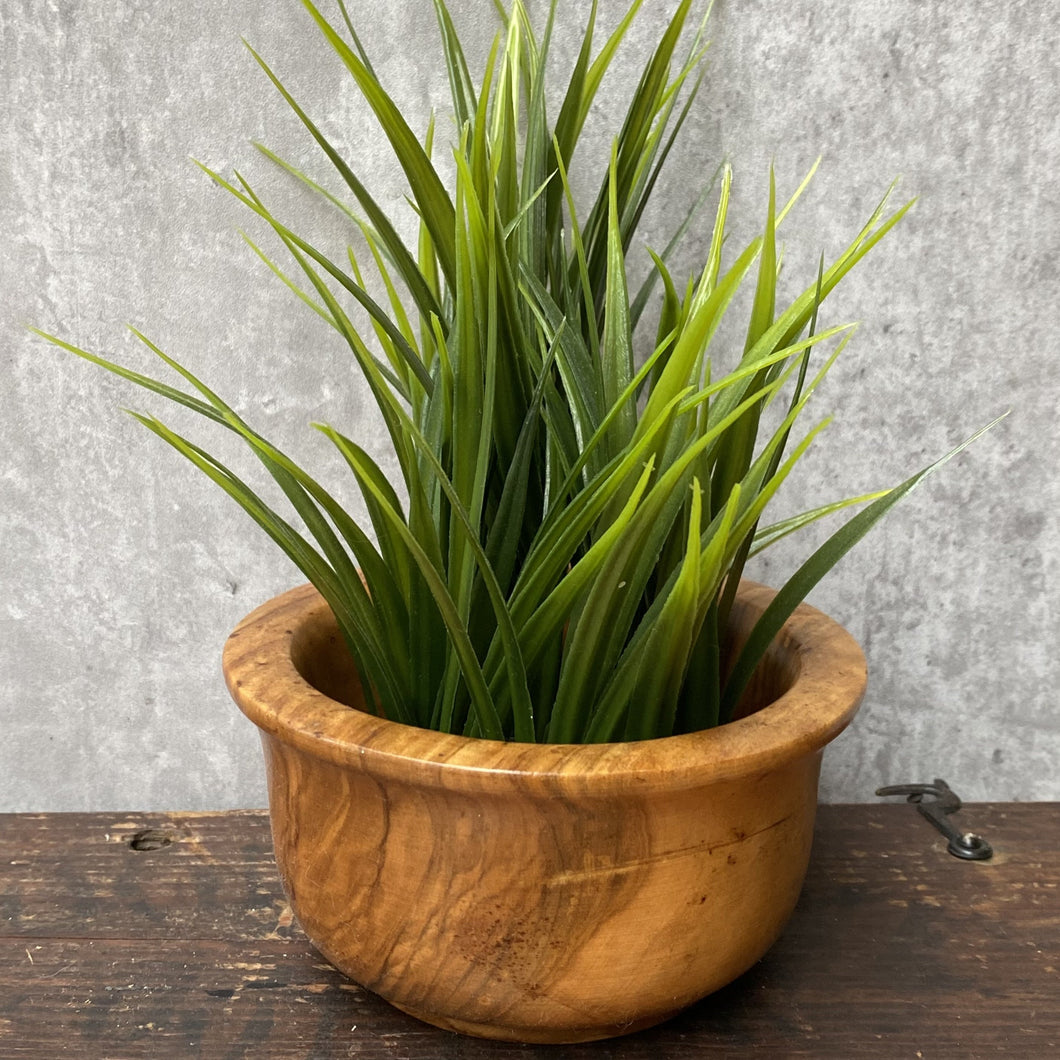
<point x="187" y="948"/>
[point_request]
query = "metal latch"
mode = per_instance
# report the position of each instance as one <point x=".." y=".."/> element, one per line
<point x="965" y="845"/>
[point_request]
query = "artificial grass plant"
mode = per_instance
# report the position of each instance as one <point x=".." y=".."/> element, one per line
<point x="574" y="515"/>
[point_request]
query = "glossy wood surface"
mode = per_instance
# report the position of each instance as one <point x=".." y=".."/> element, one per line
<point x="531" y="892"/>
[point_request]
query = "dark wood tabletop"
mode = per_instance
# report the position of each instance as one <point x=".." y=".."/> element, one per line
<point x="167" y="935"/>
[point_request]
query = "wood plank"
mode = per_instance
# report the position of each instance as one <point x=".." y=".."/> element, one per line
<point x="79" y="876"/>
<point x="896" y="949"/>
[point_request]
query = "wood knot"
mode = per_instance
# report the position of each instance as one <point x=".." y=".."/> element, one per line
<point x="150" y="839"/>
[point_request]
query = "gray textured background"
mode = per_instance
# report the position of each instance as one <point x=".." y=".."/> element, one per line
<point x="122" y="572"/>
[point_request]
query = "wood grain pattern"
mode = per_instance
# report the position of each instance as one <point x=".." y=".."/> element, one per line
<point x="77" y="876"/>
<point x="895" y="949"/>
<point x="539" y="893"/>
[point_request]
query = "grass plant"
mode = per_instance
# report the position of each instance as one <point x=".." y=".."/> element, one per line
<point x="578" y="497"/>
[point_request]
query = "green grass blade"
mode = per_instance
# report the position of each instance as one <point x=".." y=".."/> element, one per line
<point x="816" y="567"/>
<point x="293" y="240"/>
<point x="616" y="351"/>
<point x="145" y="381"/>
<point x="648" y="285"/>
<point x="609" y="717"/>
<point x="433" y="200"/>
<point x="665" y="656"/>
<point x="577" y="271"/>
<point x="304" y="495"/>
<point x="399" y="253"/>
<point x="460" y="86"/>
<point x="297" y="291"/>
<point x="355" y="38"/>
<point x="486" y="714"/>
<point x="359" y="629"/>
<point x="770" y="535"/>
<point x="508" y="527"/>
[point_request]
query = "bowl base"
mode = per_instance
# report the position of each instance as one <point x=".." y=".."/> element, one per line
<point x="541" y="1034"/>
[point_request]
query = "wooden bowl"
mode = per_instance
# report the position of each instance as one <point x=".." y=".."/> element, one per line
<point x="539" y="892"/>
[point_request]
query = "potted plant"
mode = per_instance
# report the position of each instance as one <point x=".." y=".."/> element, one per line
<point x="540" y="766"/>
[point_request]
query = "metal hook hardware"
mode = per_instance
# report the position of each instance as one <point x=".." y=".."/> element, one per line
<point x="961" y="844"/>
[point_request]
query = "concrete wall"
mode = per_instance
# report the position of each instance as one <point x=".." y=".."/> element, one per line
<point x="122" y="572"/>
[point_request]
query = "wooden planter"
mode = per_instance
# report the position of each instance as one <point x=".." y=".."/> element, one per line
<point x="536" y="892"/>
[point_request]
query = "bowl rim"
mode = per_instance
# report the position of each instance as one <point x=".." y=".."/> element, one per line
<point x="265" y="684"/>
